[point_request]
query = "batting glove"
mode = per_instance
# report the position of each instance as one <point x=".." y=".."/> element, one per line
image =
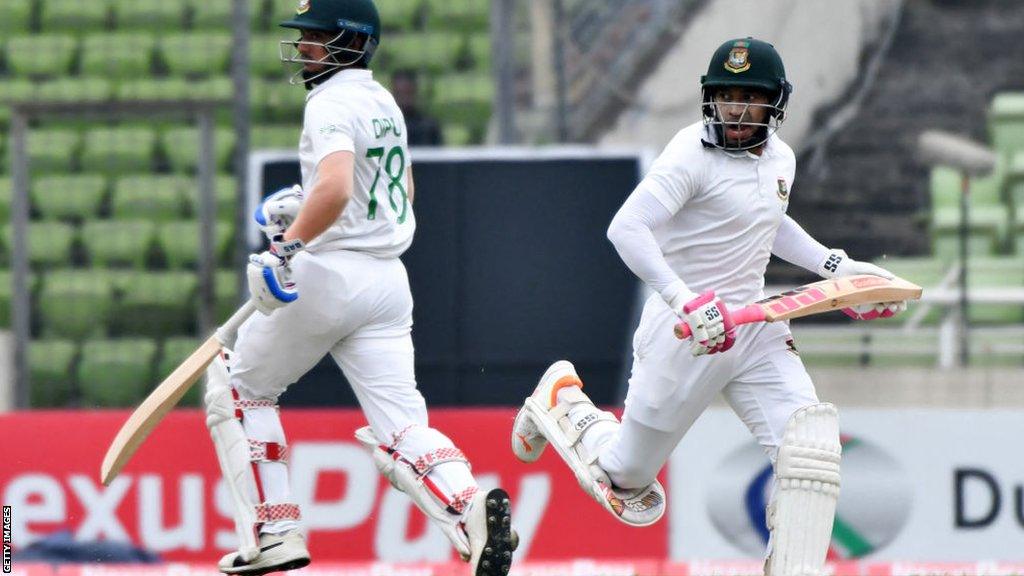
<point x="837" y="263"/>
<point x="275" y="214"/>
<point x="270" y="282"/>
<point x="710" y="323"/>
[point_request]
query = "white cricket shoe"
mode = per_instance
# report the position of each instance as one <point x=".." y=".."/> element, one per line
<point x="544" y="420"/>
<point x="488" y="525"/>
<point x="278" y="553"/>
<point x="528" y="443"/>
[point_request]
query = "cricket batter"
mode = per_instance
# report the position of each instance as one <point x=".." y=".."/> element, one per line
<point x="699" y="230"/>
<point x="332" y="283"/>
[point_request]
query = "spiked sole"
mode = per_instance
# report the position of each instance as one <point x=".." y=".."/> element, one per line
<point x="496" y="558"/>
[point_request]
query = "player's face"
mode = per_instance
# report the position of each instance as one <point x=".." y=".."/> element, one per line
<point x="310" y="48"/>
<point x="742" y="109"/>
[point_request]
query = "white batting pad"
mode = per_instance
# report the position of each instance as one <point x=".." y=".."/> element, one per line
<point x="806" y="489"/>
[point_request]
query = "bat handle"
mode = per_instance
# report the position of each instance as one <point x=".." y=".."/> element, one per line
<point x="746" y="315"/>
<point x="227" y="332"/>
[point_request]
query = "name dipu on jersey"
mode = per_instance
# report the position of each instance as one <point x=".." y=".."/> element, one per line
<point x="353" y="112"/>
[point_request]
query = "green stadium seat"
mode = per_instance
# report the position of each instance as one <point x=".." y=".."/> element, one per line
<point x="47" y="55"/>
<point x="6" y="192"/>
<point x="399" y="14"/>
<point x="115" y="150"/>
<point x="15" y="16"/>
<point x="116" y="373"/>
<point x="155" y="15"/>
<point x="479" y="47"/>
<point x="217" y="88"/>
<point x="51" y="376"/>
<point x="68" y="197"/>
<point x="84" y="89"/>
<point x="464" y="98"/>
<point x="119" y="242"/>
<point x="174" y="351"/>
<point x="49" y="243"/>
<point x="75" y="16"/>
<point x="214" y="13"/>
<point x="269" y="136"/>
<point x="1006" y="122"/>
<point x="225" y="294"/>
<point x="431" y="51"/>
<point x="149" y="197"/>
<point x="156" y="304"/>
<point x="53" y="150"/>
<point x="464" y="15"/>
<point x="75" y="303"/>
<point x="121" y="55"/>
<point x="6" y="294"/>
<point x="179" y="241"/>
<point x="278" y="101"/>
<point x="988" y="229"/>
<point x="196" y="54"/>
<point x="265" y="56"/>
<point x="226" y="190"/>
<point x="155" y="89"/>
<point x="13" y="90"/>
<point x="182" y="147"/>
<point x="456" y="134"/>
<point x="996" y="272"/>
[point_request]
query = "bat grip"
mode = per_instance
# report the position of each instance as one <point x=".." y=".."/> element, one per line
<point x="746" y="315"/>
<point x="227" y="332"/>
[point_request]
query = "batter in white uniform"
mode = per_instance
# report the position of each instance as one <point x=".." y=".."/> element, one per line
<point x="332" y="283"/>
<point x="699" y="230"/>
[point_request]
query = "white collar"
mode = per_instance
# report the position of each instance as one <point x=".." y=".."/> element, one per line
<point x="340" y="77"/>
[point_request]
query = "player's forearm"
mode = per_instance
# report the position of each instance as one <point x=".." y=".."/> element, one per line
<point x="632" y="234"/>
<point x="321" y="209"/>
<point x="794" y="245"/>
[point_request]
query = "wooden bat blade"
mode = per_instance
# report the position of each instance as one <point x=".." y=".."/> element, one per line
<point x="819" y="297"/>
<point x="153" y="409"/>
<point x="835" y="294"/>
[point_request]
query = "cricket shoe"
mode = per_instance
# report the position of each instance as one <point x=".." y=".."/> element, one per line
<point x="278" y="553"/>
<point x="528" y="443"/>
<point x="488" y="526"/>
<point x="562" y="422"/>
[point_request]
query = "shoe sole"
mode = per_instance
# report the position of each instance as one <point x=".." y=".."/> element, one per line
<point x="289" y="565"/>
<point x="496" y="559"/>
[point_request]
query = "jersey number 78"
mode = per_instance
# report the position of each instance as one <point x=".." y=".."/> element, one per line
<point x="395" y="171"/>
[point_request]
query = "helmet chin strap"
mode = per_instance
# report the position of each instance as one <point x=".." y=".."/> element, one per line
<point x="313" y="79"/>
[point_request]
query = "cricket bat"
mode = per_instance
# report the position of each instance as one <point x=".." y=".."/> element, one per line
<point x="819" y="297"/>
<point x="166" y="396"/>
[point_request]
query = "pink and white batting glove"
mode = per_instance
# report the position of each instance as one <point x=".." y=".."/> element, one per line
<point x="836" y="263"/>
<point x="710" y="323"/>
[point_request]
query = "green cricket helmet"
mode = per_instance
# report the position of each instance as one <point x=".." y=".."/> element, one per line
<point x="355" y="26"/>
<point x="745" y="63"/>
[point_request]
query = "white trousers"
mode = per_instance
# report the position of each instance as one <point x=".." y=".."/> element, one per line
<point x="761" y="377"/>
<point x="358" y="309"/>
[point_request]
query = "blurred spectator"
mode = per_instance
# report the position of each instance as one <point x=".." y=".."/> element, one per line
<point x="423" y="130"/>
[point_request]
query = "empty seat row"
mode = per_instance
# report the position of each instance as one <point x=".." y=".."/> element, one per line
<point x="115" y="150"/>
<point x="846" y="348"/>
<point x="104" y="373"/>
<point x="120" y="243"/>
<point x="85" y="16"/>
<point x="75" y="197"/>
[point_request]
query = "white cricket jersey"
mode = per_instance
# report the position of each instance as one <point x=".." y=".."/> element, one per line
<point x="353" y="112"/>
<point x="726" y="209"/>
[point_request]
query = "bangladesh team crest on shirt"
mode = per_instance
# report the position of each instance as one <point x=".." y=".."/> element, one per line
<point x="739" y="58"/>
<point x="783" y="189"/>
<point x="303" y="7"/>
